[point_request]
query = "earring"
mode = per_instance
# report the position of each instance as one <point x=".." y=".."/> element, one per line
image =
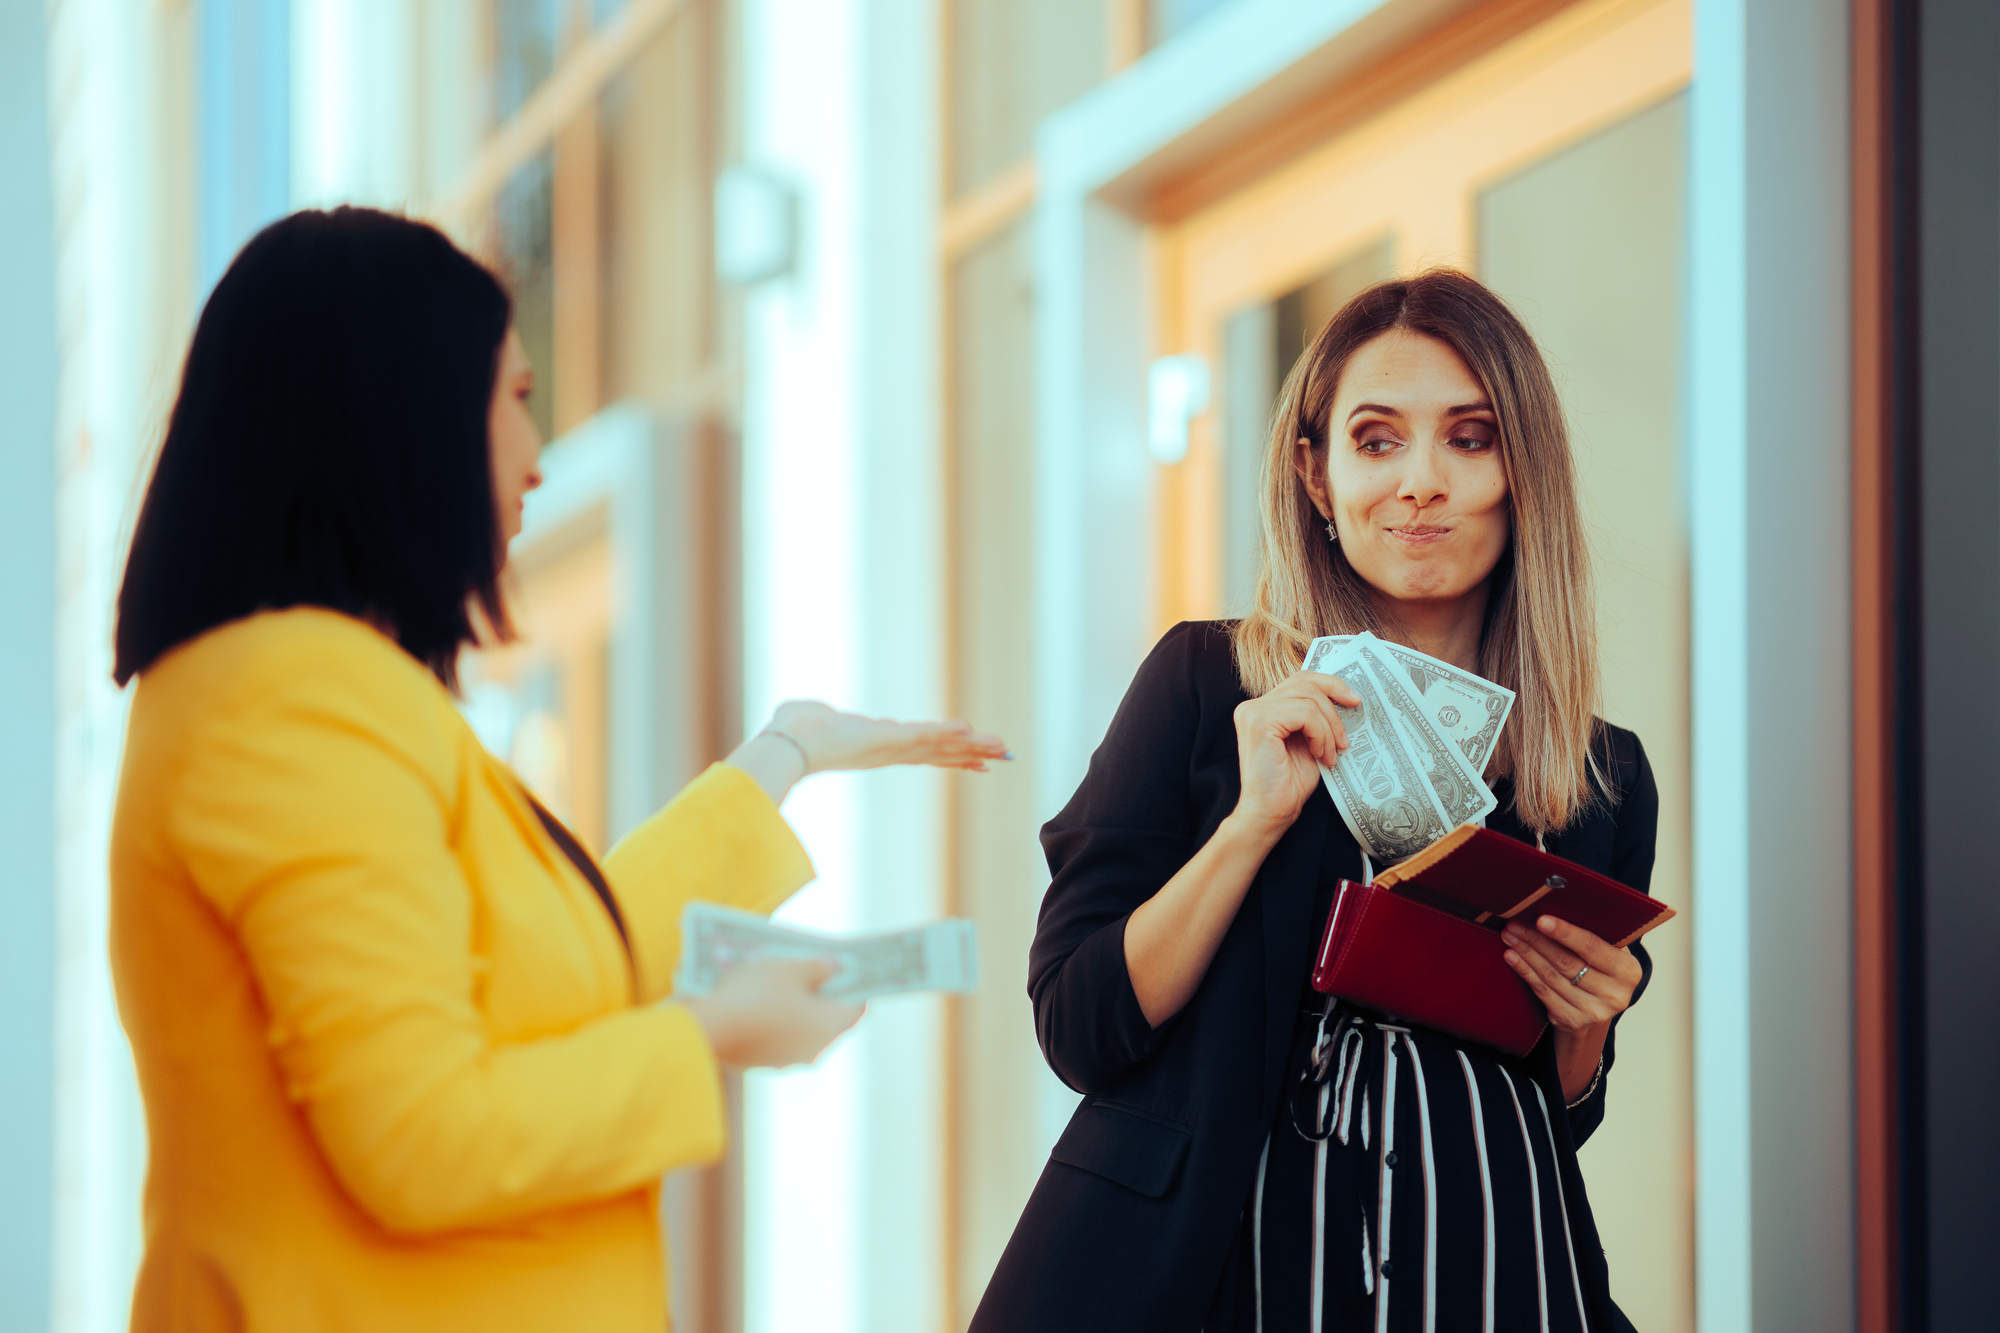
<point x="1332" y="533"/>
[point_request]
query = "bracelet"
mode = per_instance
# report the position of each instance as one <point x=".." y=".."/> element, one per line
<point x="792" y="741"/>
<point x="1590" y="1091"/>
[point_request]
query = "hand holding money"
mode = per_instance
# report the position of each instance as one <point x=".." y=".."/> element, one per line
<point x="1418" y="743"/>
<point x="771" y="1013"/>
<point x="1283" y="738"/>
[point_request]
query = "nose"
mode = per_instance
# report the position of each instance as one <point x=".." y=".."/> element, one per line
<point x="1423" y="478"/>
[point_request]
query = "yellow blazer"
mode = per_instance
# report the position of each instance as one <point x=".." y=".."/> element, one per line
<point x="399" y="1071"/>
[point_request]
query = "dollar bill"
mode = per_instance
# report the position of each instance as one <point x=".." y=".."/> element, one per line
<point x="1378" y="784"/>
<point x="1461" y="794"/>
<point x="941" y="956"/>
<point x="1469" y="709"/>
<point x="1320" y="655"/>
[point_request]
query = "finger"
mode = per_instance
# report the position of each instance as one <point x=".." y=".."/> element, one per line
<point x="957" y="742"/>
<point x="812" y="973"/>
<point x="975" y="762"/>
<point x="1533" y="942"/>
<point x="1275" y="717"/>
<point x="1587" y="947"/>
<point x="1557" y="977"/>
<point x="836" y="1016"/>
<point x="1333" y="722"/>
<point x="1333" y="687"/>
<point x="1307" y="717"/>
<point x="1562" y="1011"/>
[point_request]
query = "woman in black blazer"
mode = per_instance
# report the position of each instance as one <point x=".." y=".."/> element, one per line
<point x="1419" y="486"/>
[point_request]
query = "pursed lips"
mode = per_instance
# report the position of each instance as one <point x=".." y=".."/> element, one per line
<point x="1419" y="536"/>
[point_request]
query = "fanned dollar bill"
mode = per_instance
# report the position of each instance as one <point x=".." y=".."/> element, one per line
<point x="1402" y="783"/>
<point x="941" y="956"/>
<point x="1378" y="785"/>
<point x="1457" y="786"/>
<point x="1470" y="710"/>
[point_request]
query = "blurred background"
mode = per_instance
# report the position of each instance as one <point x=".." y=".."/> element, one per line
<point x="917" y="355"/>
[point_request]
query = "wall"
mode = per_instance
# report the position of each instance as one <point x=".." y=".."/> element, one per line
<point x="997" y="863"/>
<point x="27" y="671"/>
<point x="1009" y="65"/>
<point x="123" y="125"/>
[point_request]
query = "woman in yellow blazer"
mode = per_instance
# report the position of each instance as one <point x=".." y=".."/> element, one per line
<point x="406" y="1052"/>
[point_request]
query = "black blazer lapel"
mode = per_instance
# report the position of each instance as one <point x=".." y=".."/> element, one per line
<point x="1285" y="889"/>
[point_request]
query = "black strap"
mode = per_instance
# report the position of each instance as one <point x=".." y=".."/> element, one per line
<point x="586" y="866"/>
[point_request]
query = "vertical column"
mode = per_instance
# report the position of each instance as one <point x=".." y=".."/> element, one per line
<point x="244" y="149"/>
<point x="353" y="135"/>
<point x="901" y="556"/>
<point x="843" y="588"/>
<point x="576" y="238"/>
<point x="1770" y="499"/>
<point x="27" y="667"/>
<point x="124" y="259"/>
<point x="803" y="1164"/>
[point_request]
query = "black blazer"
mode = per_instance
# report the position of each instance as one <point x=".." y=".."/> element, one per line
<point x="1132" y="1220"/>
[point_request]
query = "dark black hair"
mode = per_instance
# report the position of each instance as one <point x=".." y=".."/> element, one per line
<point x="329" y="444"/>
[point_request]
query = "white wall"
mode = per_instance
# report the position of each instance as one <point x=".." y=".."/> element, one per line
<point x="119" y="115"/>
<point x="27" y="670"/>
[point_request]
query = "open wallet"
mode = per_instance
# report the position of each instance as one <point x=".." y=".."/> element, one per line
<point x="1421" y="942"/>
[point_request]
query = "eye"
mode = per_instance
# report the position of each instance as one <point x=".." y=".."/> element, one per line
<point x="1472" y="437"/>
<point x="1374" y="440"/>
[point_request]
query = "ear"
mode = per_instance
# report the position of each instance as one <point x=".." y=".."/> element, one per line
<point x="1306" y="464"/>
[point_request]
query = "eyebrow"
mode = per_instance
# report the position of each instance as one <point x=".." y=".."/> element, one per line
<point x="1462" y="409"/>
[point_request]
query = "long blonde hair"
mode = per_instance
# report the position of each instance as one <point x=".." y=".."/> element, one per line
<point x="1540" y="636"/>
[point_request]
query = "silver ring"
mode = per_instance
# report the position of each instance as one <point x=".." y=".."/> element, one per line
<point x="1577" y="980"/>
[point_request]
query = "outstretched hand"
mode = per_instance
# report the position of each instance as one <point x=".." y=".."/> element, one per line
<point x="834" y="740"/>
<point x="805" y="736"/>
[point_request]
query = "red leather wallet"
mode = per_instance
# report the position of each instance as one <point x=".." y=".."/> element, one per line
<point x="1423" y="941"/>
<point x="1391" y="953"/>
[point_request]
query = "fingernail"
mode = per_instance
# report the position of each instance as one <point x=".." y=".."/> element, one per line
<point x="1009" y="756"/>
<point x="1548" y="923"/>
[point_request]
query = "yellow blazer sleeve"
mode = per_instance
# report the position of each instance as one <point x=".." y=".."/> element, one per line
<point x="721" y="840"/>
<point x="315" y="814"/>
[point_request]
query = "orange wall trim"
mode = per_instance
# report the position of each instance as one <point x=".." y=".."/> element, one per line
<point x="1876" y="1184"/>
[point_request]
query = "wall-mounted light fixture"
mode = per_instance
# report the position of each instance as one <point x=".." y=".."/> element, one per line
<point x="756" y="225"/>
<point x="1176" y="393"/>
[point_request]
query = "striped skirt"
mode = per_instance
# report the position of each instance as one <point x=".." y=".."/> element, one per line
<point x="1411" y="1184"/>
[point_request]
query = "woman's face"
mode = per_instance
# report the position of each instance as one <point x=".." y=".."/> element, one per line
<point x="513" y="437"/>
<point x="1413" y="480"/>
